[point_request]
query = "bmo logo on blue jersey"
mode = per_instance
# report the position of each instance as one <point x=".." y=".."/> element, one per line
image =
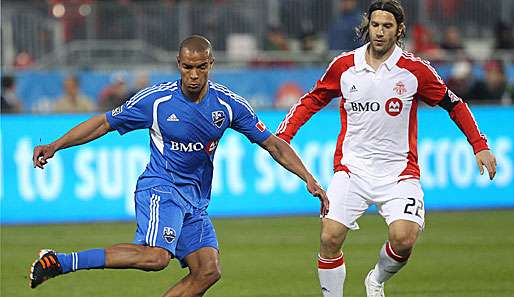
<point x="186" y="147"/>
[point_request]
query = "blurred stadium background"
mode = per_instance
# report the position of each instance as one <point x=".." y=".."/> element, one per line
<point x="63" y="60"/>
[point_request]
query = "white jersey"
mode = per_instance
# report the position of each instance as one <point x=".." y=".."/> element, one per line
<point x="378" y="137"/>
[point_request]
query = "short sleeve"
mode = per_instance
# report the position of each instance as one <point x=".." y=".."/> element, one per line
<point x="132" y="115"/>
<point x="246" y="122"/>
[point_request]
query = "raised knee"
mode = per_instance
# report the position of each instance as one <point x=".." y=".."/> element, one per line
<point x="157" y="259"/>
<point x="331" y="241"/>
<point x="209" y="274"/>
<point x="403" y="243"/>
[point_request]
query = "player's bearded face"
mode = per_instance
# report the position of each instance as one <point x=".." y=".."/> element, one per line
<point x="383" y="31"/>
<point x="194" y="70"/>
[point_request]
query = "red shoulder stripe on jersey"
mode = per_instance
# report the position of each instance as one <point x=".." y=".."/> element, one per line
<point x="413" y="58"/>
<point x="335" y="60"/>
<point x="293" y="111"/>
<point x="431" y="87"/>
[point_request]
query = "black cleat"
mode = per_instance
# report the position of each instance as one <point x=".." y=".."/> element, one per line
<point x="46" y="267"/>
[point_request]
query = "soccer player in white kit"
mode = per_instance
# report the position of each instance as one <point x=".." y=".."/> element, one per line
<point x="375" y="160"/>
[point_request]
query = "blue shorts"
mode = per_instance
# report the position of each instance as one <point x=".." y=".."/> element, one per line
<point x="166" y="220"/>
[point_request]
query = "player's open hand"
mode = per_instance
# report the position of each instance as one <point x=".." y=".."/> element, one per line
<point x="41" y="155"/>
<point x="317" y="191"/>
<point x="487" y="159"/>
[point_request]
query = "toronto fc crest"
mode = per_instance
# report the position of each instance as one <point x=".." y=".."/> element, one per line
<point x="399" y="88"/>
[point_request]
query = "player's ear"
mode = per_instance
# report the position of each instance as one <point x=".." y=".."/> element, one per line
<point x="178" y="61"/>
<point x="401" y="30"/>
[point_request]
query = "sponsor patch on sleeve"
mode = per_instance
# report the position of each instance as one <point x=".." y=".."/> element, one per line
<point x="117" y="111"/>
<point x="260" y="126"/>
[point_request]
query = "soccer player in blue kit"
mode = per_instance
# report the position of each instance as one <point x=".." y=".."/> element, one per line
<point x="186" y="119"/>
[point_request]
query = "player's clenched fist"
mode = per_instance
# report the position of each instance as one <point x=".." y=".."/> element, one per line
<point x="41" y="154"/>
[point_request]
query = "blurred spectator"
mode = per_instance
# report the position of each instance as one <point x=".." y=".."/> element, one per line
<point x="23" y="60"/>
<point x="276" y="39"/>
<point x="424" y="44"/>
<point x="141" y="81"/>
<point x="287" y="95"/>
<point x="114" y="94"/>
<point x="452" y="41"/>
<point x="494" y="86"/>
<point x="73" y="101"/>
<point x="9" y="103"/>
<point x="503" y="36"/>
<point x="117" y="19"/>
<point x="461" y="79"/>
<point x="308" y="41"/>
<point x="341" y="32"/>
<point x="446" y="9"/>
<point x="72" y="16"/>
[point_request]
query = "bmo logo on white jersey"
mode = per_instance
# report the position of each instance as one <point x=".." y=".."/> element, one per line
<point x="365" y="106"/>
<point x="186" y="147"/>
<point x="394" y="106"/>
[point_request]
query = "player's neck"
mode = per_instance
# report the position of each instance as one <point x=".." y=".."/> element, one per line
<point x="375" y="59"/>
<point x="194" y="97"/>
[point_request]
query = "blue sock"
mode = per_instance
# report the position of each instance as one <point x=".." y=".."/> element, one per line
<point x="89" y="259"/>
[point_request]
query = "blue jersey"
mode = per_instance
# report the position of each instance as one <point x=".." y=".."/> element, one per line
<point x="184" y="135"/>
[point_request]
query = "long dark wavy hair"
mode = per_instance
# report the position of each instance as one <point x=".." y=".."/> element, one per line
<point x="392" y="6"/>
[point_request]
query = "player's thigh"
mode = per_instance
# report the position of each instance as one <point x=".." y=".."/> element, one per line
<point x="346" y="203"/>
<point x="160" y="217"/>
<point x="197" y="233"/>
<point x="405" y="203"/>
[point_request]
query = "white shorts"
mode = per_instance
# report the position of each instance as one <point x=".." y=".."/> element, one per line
<point x="351" y="195"/>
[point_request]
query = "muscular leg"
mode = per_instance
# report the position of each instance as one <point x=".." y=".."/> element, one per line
<point x="332" y="236"/>
<point x="204" y="271"/>
<point x="136" y="256"/>
<point x="402" y="236"/>
<point x="331" y="267"/>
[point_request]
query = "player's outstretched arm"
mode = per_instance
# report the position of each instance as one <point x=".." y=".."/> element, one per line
<point x="486" y="158"/>
<point x="284" y="154"/>
<point x="86" y="131"/>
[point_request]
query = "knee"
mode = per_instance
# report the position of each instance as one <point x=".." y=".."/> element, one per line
<point x="331" y="241"/>
<point x="157" y="258"/>
<point x="208" y="274"/>
<point x="403" y="242"/>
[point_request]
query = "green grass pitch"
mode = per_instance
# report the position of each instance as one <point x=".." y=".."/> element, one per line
<point x="465" y="254"/>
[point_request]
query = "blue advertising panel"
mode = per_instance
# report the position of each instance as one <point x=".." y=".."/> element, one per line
<point x="96" y="181"/>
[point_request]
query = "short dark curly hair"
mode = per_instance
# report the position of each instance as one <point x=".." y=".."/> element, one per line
<point x="392" y="6"/>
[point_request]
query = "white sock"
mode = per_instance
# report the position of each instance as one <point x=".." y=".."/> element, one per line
<point x="388" y="264"/>
<point x="332" y="273"/>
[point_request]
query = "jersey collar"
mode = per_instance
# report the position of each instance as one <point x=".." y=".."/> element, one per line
<point x="360" y="58"/>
